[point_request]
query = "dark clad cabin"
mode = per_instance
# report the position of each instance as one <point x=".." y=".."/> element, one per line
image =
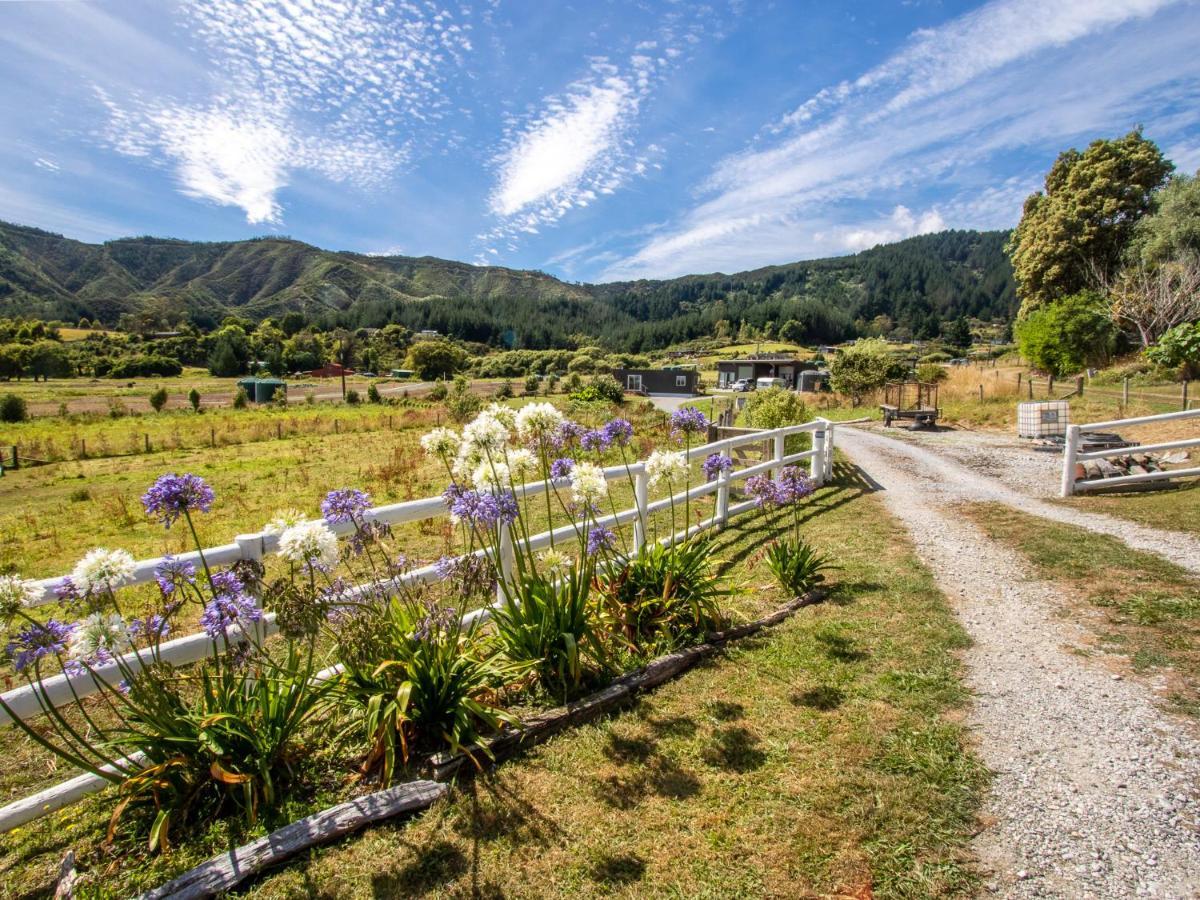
<point x="678" y="381"/>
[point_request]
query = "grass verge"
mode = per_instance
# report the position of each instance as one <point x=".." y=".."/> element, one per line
<point x="1171" y="510"/>
<point x="1150" y="607"/>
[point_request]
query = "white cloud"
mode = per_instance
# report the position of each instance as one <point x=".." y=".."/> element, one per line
<point x="342" y="88"/>
<point x="48" y="164"/>
<point x="1013" y="75"/>
<point x="899" y="225"/>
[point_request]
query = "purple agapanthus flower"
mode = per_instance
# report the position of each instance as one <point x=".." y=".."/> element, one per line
<point x="173" y="495"/>
<point x="225" y="610"/>
<point x="715" y="464"/>
<point x="764" y="491"/>
<point x="566" y="435"/>
<point x="793" y="485"/>
<point x="618" y="432"/>
<point x="172" y="574"/>
<point x="345" y="505"/>
<point x="154" y="628"/>
<point x="594" y="439"/>
<point x="561" y="468"/>
<point x="483" y="509"/>
<point x="599" y="538"/>
<point x="66" y="591"/>
<point x="36" y="641"/>
<point x="688" y="420"/>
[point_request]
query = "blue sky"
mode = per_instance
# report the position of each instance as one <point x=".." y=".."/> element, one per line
<point x="597" y="141"/>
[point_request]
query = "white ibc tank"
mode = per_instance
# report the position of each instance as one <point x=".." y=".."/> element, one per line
<point x="1045" y="418"/>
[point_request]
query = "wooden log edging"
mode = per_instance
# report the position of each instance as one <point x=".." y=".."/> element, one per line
<point x="536" y="729"/>
<point x="229" y="869"/>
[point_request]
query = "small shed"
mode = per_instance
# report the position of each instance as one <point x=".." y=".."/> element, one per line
<point x="677" y="381"/>
<point x="814" y="380"/>
<point x="400" y="373"/>
<point x="262" y="390"/>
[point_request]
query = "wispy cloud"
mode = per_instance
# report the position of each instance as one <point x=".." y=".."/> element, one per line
<point x="342" y="88"/>
<point x="952" y="98"/>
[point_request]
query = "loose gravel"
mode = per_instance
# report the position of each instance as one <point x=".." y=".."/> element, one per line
<point x="1095" y="787"/>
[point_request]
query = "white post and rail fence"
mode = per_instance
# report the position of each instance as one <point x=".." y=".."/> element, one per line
<point x="1072" y="456"/>
<point x="34" y="699"/>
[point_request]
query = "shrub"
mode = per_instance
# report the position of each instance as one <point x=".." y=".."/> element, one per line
<point x="931" y="372"/>
<point x="145" y="366"/>
<point x="1179" y="349"/>
<point x="532" y="385"/>
<point x="240" y="399"/>
<point x="194" y="399"/>
<point x="428" y="687"/>
<point x="602" y="388"/>
<point x="545" y="621"/>
<point x="505" y="391"/>
<point x="373" y="394"/>
<point x="573" y="383"/>
<point x="13" y="408"/>
<point x="796" y="566"/>
<point x="1068" y="334"/>
<point x="352" y="397"/>
<point x="158" y="399"/>
<point x="774" y="408"/>
<point x="435" y="359"/>
<point x="662" y="597"/>
<point x="937" y="356"/>
<point x="461" y="404"/>
<point x="863" y="367"/>
<point x="439" y="392"/>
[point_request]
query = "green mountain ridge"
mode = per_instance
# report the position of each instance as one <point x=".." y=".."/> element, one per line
<point x="917" y="283"/>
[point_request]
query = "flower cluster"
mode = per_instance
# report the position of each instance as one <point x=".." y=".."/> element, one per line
<point x="97" y="639"/>
<point x="345" y="505"/>
<point x="790" y="486"/>
<point x="618" y="432"/>
<point x="562" y="467"/>
<point x="38" y="640"/>
<point x="102" y="570"/>
<point x="666" y="467"/>
<point x="600" y="539"/>
<point x="310" y="544"/>
<point x="538" y="421"/>
<point x="480" y="509"/>
<point x="688" y="420"/>
<point x="284" y="519"/>
<point x="173" y="574"/>
<point x="230" y="604"/>
<point x="172" y="496"/>
<point x="588" y="484"/>
<point x="442" y="442"/>
<point x="714" y="464"/>
<point x="16" y="594"/>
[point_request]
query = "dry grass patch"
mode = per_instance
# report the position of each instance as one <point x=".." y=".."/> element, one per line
<point x="1176" y="509"/>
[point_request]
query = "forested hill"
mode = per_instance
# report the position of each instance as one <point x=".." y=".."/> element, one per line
<point x="917" y="283"/>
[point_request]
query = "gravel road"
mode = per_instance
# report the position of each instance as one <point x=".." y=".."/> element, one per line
<point x="1096" y="788"/>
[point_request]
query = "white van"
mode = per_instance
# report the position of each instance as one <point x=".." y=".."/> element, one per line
<point x="765" y="384"/>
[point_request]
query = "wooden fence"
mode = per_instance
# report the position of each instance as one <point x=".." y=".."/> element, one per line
<point x="33" y="699"/>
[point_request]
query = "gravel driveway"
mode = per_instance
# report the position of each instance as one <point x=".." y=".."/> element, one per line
<point x="1095" y="787"/>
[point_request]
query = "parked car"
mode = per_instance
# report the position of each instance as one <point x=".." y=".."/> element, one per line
<point x="765" y="384"/>
<point x="742" y="385"/>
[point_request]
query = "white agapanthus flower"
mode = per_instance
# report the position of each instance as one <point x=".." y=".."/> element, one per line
<point x="468" y="459"/>
<point x="441" y="442"/>
<point x="99" y="632"/>
<point x="666" y="466"/>
<point x="588" y="485"/>
<point x="309" y="543"/>
<point x="17" y="593"/>
<point x="102" y="570"/>
<point x="490" y="476"/>
<point x="284" y="519"/>
<point x="502" y="414"/>
<point x="536" y="420"/>
<point x="555" y="561"/>
<point x="521" y="461"/>
<point x="485" y="433"/>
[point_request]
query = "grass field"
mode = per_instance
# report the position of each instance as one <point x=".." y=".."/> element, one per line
<point x="823" y="757"/>
<point x="1150" y="609"/>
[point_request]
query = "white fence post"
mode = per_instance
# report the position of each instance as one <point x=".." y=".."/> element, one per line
<point x="1069" y="453"/>
<point x="641" y="499"/>
<point x="816" y="465"/>
<point x="507" y="558"/>
<point x="722" y="513"/>
<point x="780" y="444"/>
<point x="251" y="546"/>
<point x="829" y="445"/>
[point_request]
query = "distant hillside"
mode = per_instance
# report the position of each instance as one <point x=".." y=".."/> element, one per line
<point x="916" y="282"/>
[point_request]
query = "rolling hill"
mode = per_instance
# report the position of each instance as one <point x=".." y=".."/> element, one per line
<point x="917" y="282"/>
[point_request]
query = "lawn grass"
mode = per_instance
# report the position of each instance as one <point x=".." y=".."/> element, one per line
<point x="1170" y="510"/>
<point x="1150" y="607"/>
<point x="824" y="756"/>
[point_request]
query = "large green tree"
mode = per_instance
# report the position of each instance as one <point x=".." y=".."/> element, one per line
<point x="1073" y="234"/>
<point x="1067" y="334"/>
<point x="1172" y="230"/>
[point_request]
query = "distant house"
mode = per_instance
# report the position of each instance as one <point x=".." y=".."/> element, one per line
<point x="330" y="370"/>
<point x="753" y="368"/>
<point x="427" y="334"/>
<point x="676" y="381"/>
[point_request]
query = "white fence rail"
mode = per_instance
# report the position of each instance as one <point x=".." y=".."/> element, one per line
<point x="31" y="700"/>
<point x="1072" y="456"/>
